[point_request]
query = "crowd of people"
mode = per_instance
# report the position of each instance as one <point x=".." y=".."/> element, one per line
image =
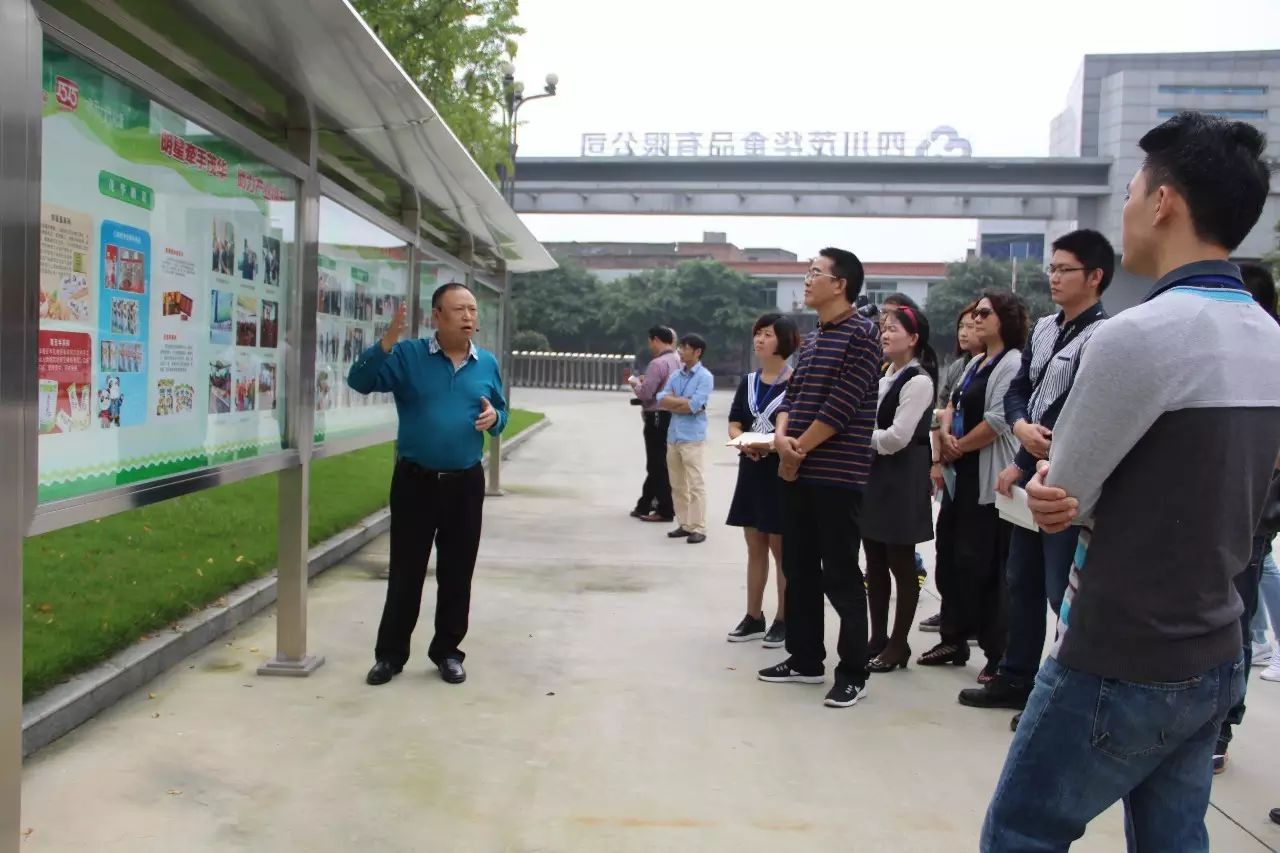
<point x="1144" y="444"/>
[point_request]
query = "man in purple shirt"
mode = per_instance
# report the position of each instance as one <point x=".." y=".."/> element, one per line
<point x="655" y="503"/>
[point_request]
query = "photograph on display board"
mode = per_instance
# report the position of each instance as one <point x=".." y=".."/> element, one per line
<point x="246" y="321"/>
<point x="363" y="305"/>
<point x="328" y="341"/>
<point x="175" y="303"/>
<point x="270" y="337"/>
<point x="124" y="269"/>
<point x="354" y="344"/>
<point x="271" y="260"/>
<point x="174" y="398"/>
<point x="69" y="301"/>
<point x="111" y="400"/>
<point x="388" y="305"/>
<point x="121" y="357"/>
<point x="246" y="384"/>
<point x="248" y="263"/>
<point x="219" y="387"/>
<point x="64" y="368"/>
<point x="329" y="299"/>
<point x="221" y="310"/>
<point x="124" y="316"/>
<point x="224" y="247"/>
<point x="325" y="396"/>
<point x="267" y="386"/>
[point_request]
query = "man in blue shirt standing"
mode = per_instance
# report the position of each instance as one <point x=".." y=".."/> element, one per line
<point x="448" y="393"/>
<point x="685" y="397"/>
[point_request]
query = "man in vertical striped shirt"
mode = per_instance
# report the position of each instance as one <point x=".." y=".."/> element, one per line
<point x="823" y="440"/>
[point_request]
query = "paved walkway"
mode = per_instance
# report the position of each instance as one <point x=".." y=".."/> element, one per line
<point x="604" y="711"/>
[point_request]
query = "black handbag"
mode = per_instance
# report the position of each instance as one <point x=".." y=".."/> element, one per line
<point x="1269" y="524"/>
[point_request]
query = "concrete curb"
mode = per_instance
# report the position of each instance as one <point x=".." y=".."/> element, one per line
<point x="77" y="700"/>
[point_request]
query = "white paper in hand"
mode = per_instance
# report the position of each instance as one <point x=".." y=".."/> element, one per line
<point x="751" y="438"/>
<point x="1015" y="509"/>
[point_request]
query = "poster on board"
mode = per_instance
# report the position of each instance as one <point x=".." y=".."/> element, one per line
<point x="163" y="280"/>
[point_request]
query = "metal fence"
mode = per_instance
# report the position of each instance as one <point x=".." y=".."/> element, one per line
<point x="581" y="370"/>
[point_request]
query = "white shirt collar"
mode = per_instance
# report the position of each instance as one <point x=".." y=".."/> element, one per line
<point x="433" y="346"/>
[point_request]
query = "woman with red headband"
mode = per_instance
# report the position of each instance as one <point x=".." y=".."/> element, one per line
<point x="896" y="510"/>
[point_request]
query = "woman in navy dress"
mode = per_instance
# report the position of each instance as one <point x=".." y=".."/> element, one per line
<point x="757" y="499"/>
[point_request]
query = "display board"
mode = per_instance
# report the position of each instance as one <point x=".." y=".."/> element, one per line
<point x="363" y="280"/>
<point x="164" y="277"/>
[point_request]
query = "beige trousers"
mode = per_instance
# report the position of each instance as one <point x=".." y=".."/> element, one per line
<point x="688" y="485"/>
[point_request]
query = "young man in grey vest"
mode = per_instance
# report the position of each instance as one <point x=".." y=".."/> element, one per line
<point x="1162" y="458"/>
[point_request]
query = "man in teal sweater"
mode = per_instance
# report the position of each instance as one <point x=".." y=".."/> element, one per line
<point x="448" y="393"/>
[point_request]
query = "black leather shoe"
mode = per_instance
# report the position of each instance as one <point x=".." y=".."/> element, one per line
<point x="678" y="533"/>
<point x="696" y="538"/>
<point x="997" y="693"/>
<point x="382" y="672"/>
<point x="451" y="671"/>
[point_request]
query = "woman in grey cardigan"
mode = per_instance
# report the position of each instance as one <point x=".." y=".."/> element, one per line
<point x="977" y="442"/>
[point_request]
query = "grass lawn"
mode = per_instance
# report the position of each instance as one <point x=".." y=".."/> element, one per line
<point x="92" y="589"/>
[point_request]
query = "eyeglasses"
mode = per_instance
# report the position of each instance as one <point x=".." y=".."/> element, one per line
<point x="982" y="313"/>
<point x="1057" y="269"/>
<point x="815" y="273"/>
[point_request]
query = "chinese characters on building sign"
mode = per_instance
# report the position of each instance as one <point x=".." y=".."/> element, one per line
<point x="942" y="141"/>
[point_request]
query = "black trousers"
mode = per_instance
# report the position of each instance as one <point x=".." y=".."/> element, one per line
<point x="429" y="508"/>
<point x="820" y="542"/>
<point x="975" y="600"/>
<point x="655" y="496"/>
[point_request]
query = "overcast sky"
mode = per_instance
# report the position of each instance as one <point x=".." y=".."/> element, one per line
<point x="997" y="70"/>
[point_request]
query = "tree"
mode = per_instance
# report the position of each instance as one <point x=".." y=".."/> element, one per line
<point x="966" y="281"/>
<point x="454" y="51"/>
<point x="578" y="312"/>
<point x="564" y="305"/>
<point x="530" y="341"/>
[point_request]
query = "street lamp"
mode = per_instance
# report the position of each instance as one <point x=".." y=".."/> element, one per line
<point x="513" y="98"/>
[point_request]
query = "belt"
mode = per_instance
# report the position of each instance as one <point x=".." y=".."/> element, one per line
<point x="427" y="474"/>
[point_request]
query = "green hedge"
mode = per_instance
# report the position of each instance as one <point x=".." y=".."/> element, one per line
<point x="92" y="589"/>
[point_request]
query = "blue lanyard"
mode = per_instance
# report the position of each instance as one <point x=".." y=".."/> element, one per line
<point x="762" y="402"/>
<point x="685" y="387"/>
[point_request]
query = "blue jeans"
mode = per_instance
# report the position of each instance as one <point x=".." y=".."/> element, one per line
<point x="1268" y="601"/>
<point x="1037" y="570"/>
<point x="1085" y="742"/>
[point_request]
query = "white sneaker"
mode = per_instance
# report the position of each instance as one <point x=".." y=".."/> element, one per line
<point x="1263" y="654"/>
<point x="1272" y="672"/>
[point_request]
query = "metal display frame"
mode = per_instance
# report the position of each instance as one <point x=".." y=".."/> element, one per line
<point x="25" y="25"/>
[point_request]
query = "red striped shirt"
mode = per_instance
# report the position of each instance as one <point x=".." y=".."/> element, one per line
<point x="836" y="382"/>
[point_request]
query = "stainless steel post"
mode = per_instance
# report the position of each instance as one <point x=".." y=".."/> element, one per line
<point x="294" y="484"/>
<point x="20" y="126"/>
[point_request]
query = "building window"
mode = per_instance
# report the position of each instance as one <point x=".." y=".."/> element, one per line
<point x="1178" y="89"/>
<point x="879" y="291"/>
<point x="770" y="297"/>
<point x="1241" y="115"/>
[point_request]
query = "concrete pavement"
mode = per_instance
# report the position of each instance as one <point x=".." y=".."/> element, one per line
<point x="604" y="710"/>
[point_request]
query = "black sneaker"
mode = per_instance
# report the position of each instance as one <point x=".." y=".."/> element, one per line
<point x="678" y="533"/>
<point x="748" y="629"/>
<point x="845" y="694"/>
<point x="784" y="674"/>
<point x="931" y="625"/>
<point x="777" y="636"/>
<point x="998" y="693"/>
